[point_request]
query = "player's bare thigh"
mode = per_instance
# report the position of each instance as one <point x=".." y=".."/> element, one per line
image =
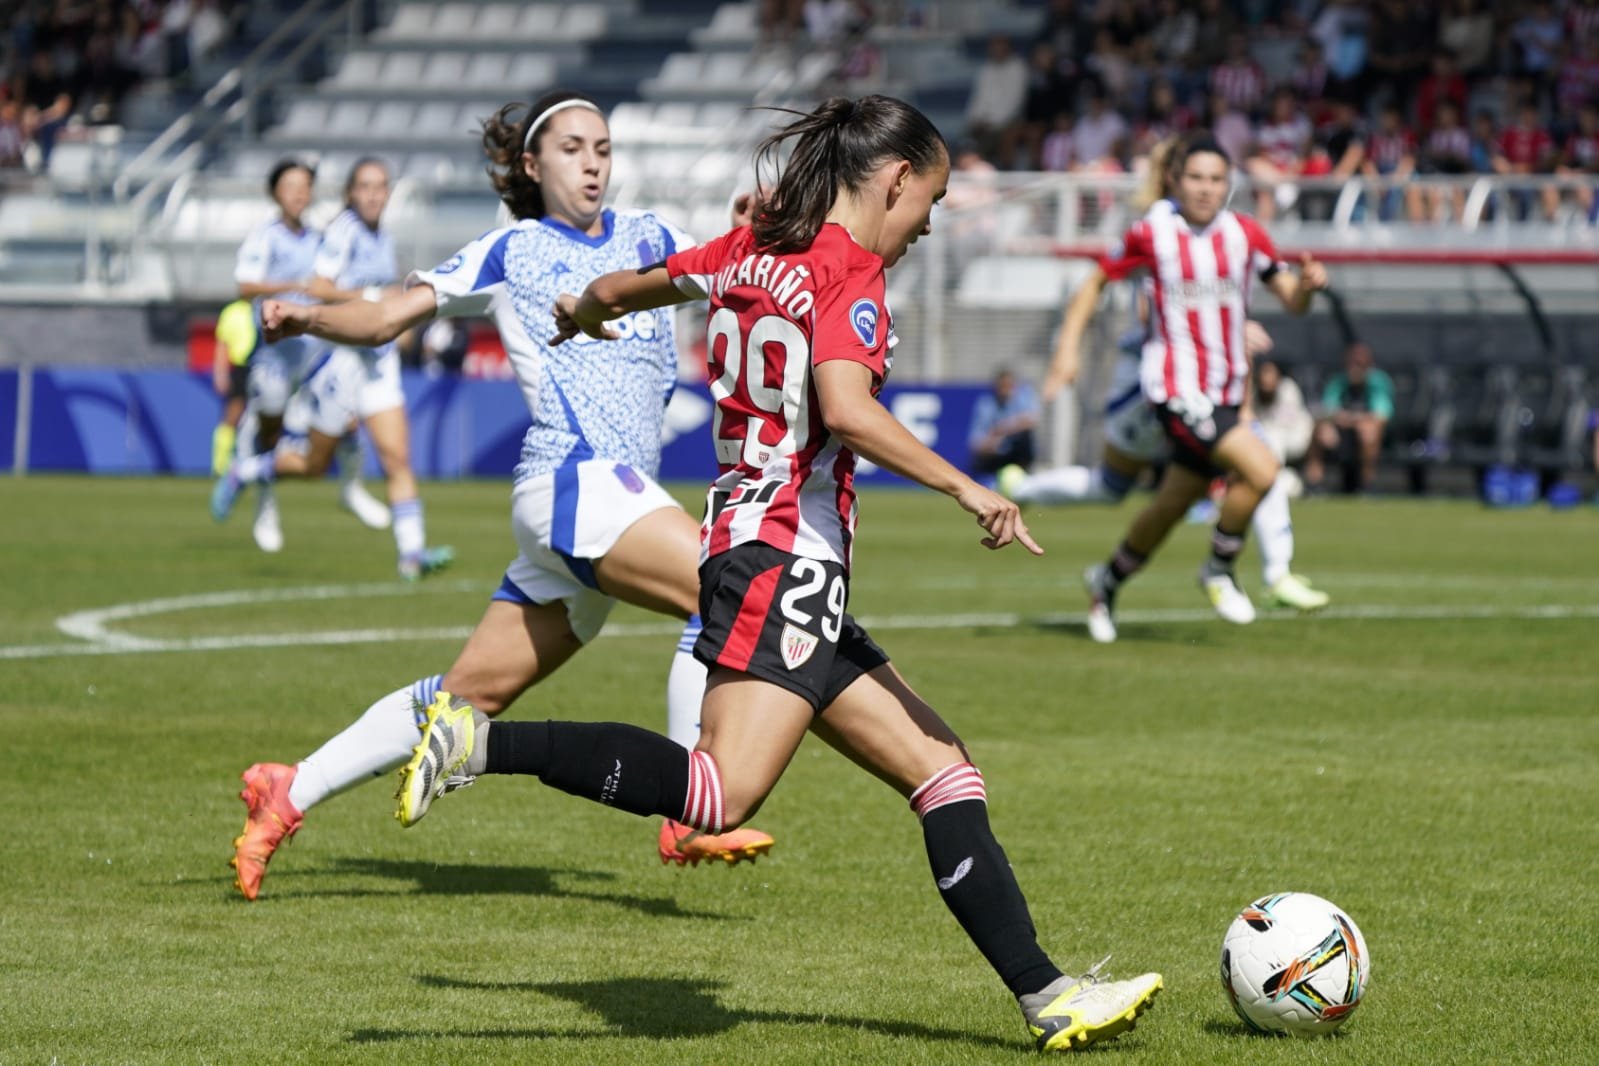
<point x="883" y="726"/>
<point x="513" y="647"/>
<point x="391" y="437"/>
<point x="752" y="728"/>
<point x="1249" y="459"/>
<point x="654" y="564"/>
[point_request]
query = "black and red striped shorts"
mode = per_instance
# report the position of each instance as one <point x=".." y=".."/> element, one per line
<point x="1193" y="441"/>
<point x="781" y="618"/>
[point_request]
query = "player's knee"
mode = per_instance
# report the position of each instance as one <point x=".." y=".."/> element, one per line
<point x="487" y="693"/>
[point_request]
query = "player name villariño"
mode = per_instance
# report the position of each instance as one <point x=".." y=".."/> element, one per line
<point x="774" y="275"/>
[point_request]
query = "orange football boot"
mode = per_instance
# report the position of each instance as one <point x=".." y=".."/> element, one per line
<point x="271" y="819"/>
<point x="681" y="844"/>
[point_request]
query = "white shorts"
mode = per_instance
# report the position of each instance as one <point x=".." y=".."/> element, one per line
<point x="276" y="370"/>
<point x="565" y="521"/>
<point x="352" y="384"/>
<point x="1130" y="423"/>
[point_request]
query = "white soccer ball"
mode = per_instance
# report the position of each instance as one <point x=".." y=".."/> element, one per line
<point x="1294" y="963"/>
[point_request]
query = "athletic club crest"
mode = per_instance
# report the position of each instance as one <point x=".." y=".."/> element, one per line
<point x="798" y="646"/>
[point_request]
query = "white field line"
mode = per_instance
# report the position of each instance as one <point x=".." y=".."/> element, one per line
<point x="95" y="637"/>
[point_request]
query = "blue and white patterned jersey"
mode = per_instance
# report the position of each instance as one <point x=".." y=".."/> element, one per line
<point x="275" y="253"/>
<point x="588" y="398"/>
<point x="355" y="256"/>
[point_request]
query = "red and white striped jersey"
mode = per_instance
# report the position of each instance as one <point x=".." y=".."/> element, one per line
<point x="1199" y="300"/>
<point x="785" y="481"/>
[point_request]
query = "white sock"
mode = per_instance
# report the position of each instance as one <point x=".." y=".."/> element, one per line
<point x="375" y="743"/>
<point x="253" y="468"/>
<point x="685" y="689"/>
<point x="1064" y="484"/>
<point x="410" y="535"/>
<point x="1274" y="532"/>
<point x="348" y="454"/>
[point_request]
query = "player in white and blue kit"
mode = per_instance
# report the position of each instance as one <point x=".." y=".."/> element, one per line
<point x="355" y="260"/>
<point x="278" y="259"/>
<point x="591" y="524"/>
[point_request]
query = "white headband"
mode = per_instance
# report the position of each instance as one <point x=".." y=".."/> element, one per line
<point x="552" y="109"/>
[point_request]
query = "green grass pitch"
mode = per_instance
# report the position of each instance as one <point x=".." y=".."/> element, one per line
<point x="1424" y="755"/>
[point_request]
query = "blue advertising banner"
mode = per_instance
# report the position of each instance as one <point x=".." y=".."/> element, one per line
<point x="103" y="421"/>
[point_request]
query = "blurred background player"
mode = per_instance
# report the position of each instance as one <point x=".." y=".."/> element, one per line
<point x="798" y="299"/>
<point x="591" y="524"/>
<point x="236" y="340"/>
<point x="278" y="259"/>
<point x="1134" y="440"/>
<point x="1200" y="258"/>
<point x="354" y="261"/>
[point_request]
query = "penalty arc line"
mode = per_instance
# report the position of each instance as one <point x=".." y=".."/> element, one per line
<point x="96" y="638"/>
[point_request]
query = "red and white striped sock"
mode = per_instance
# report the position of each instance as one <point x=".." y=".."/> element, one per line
<point x="702" y="808"/>
<point x="952" y="784"/>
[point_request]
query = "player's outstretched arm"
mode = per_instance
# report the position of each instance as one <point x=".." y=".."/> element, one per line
<point x="609" y="297"/>
<point x="1296" y="290"/>
<point x="1068" y="360"/>
<point x="853" y="415"/>
<point x="360" y="322"/>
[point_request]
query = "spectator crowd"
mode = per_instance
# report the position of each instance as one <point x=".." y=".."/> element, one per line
<point x="1308" y="89"/>
<point x="66" y="63"/>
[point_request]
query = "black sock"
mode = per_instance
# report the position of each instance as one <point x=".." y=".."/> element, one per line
<point x="1122" y="565"/>
<point x="618" y="765"/>
<point x="979" y="888"/>
<point x="1224" y="549"/>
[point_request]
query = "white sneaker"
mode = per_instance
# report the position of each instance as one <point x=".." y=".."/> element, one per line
<point x="268" y="531"/>
<point x="371" y="511"/>
<point x="1101" y="605"/>
<point x="1224" y="594"/>
<point x="1074" y="1012"/>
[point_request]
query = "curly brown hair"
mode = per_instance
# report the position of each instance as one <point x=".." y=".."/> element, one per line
<point x="504" y="134"/>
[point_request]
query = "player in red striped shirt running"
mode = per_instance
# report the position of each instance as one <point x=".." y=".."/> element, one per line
<point x="799" y="343"/>
<point x="1203" y="261"/>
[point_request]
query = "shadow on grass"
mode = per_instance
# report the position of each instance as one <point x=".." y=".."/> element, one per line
<point x="470" y="879"/>
<point x="662" y="1008"/>
<point x="1237" y="1030"/>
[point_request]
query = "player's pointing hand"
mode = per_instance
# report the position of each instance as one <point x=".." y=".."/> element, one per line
<point x="999" y="517"/>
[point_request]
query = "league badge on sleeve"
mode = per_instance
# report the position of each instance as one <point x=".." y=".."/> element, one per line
<point x="863" y="316"/>
<point x="450" y="265"/>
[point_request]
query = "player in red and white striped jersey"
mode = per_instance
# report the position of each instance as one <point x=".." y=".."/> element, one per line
<point x="1203" y="261"/>
<point x="785" y="481"/>
<point x="798" y="347"/>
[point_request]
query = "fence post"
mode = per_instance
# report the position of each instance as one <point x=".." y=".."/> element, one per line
<point x="24" y="426"/>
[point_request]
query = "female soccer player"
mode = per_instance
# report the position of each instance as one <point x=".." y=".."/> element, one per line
<point x="799" y="344"/>
<point x="1133" y="436"/>
<point x="1202" y="260"/>
<point x="591" y="524"/>
<point x="354" y="261"/>
<point x="278" y="259"/>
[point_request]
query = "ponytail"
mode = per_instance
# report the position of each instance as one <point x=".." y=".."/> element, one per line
<point x="839" y="144"/>
<point x="1157" y="183"/>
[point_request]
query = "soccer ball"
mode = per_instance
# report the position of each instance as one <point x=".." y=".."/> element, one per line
<point x="1294" y="963"/>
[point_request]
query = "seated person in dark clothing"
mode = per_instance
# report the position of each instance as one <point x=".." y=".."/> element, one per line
<point x="1356" y="407"/>
<point x="1002" y="425"/>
